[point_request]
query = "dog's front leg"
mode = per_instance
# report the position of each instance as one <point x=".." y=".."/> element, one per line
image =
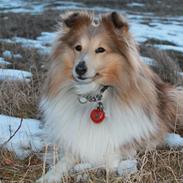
<point x="122" y="163"/>
<point x="60" y="169"/>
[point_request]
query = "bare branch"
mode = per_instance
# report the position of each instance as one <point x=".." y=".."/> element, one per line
<point x="13" y="133"/>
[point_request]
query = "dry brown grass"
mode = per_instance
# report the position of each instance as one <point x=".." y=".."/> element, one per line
<point x="16" y="170"/>
<point x="166" y="67"/>
<point x="26" y="25"/>
<point x="19" y="99"/>
<point x="159" y="166"/>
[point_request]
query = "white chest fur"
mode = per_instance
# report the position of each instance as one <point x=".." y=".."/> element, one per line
<point x="68" y="124"/>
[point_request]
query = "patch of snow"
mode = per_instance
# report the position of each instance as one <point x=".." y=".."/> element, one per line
<point x="135" y="4"/>
<point x="17" y="56"/>
<point x="3" y="62"/>
<point x="26" y="139"/>
<point x="13" y="74"/>
<point x="82" y="166"/>
<point x="169" y="47"/>
<point x="170" y="30"/>
<point x="33" y="7"/>
<point x="82" y="177"/>
<point x="42" y="43"/>
<point x="99" y="9"/>
<point x="30" y="43"/>
<point x="8" y="4"/>
<point x="127" y="167"/>
<point x="7" y="54"/>
<point x="46" y="38"/>
<point x="64" y="5"/>
<point x="148" y="61"/>
<point x="173" y="140"/>
<point x="181" y="74"/>
<point x="36" y="7"/>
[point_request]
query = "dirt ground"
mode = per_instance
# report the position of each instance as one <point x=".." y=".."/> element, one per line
<point x="21" y="99"/>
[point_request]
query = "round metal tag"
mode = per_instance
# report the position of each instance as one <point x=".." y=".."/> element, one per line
<point x="82" y="100"/>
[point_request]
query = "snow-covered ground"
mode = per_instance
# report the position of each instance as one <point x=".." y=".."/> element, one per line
<point x="135" y="4"/>
<point x="3" y="61"/>
<point x="42" y="43"/>
<point x="169" y="47"/>
<point x="170" y="30"/>
<point x="8" y="54"/>
<point x="35" y="7"/>
<point x="160" y="28"/>
<point x="163" y="32"/>
<point x="27" y="138"/>
<point x="148" y="61"/>
<point x="13" y="74"/>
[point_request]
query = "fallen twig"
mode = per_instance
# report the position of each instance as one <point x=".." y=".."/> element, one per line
<point x="13" y="133"/>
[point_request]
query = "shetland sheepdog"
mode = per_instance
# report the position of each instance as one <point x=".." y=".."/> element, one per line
<point x="101" y="103"/>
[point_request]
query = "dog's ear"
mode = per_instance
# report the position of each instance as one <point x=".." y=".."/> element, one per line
<point x="118" y="22"/>
<point x="73" y="19"/>
<point x="70" y="19"/>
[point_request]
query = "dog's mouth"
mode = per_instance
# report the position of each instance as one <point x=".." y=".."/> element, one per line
<point x="84" y="79"/>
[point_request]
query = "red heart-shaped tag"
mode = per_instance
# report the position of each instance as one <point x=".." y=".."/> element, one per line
<point x="97" y="115"/>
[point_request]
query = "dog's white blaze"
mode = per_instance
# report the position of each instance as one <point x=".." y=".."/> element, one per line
<point x="68" y="124"/>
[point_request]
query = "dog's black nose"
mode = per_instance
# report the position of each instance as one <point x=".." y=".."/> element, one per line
<point x="81" y="68"/>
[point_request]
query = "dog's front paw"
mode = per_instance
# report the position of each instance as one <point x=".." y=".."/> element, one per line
<point x="50" y="177"/>
<point x="173" y="140"/>
<point x="127" y="167"/>
<point x="82" y="166"/>
<point x="60" y="169"/>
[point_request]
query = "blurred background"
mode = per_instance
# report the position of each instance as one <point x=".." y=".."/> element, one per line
<point x="154" y="23"/>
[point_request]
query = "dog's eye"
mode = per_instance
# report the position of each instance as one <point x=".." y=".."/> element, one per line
<point x="99" y="50"/>
<point x="78" y="47"/>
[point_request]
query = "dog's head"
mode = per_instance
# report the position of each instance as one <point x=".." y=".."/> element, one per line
<point x="95" y="52"/>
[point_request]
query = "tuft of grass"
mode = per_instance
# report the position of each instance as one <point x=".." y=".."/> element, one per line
<point x="166" y="67"/>
<point x="19" y="99"/>
<point x="27" y="25"/>
<point x="15" y="170"/>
